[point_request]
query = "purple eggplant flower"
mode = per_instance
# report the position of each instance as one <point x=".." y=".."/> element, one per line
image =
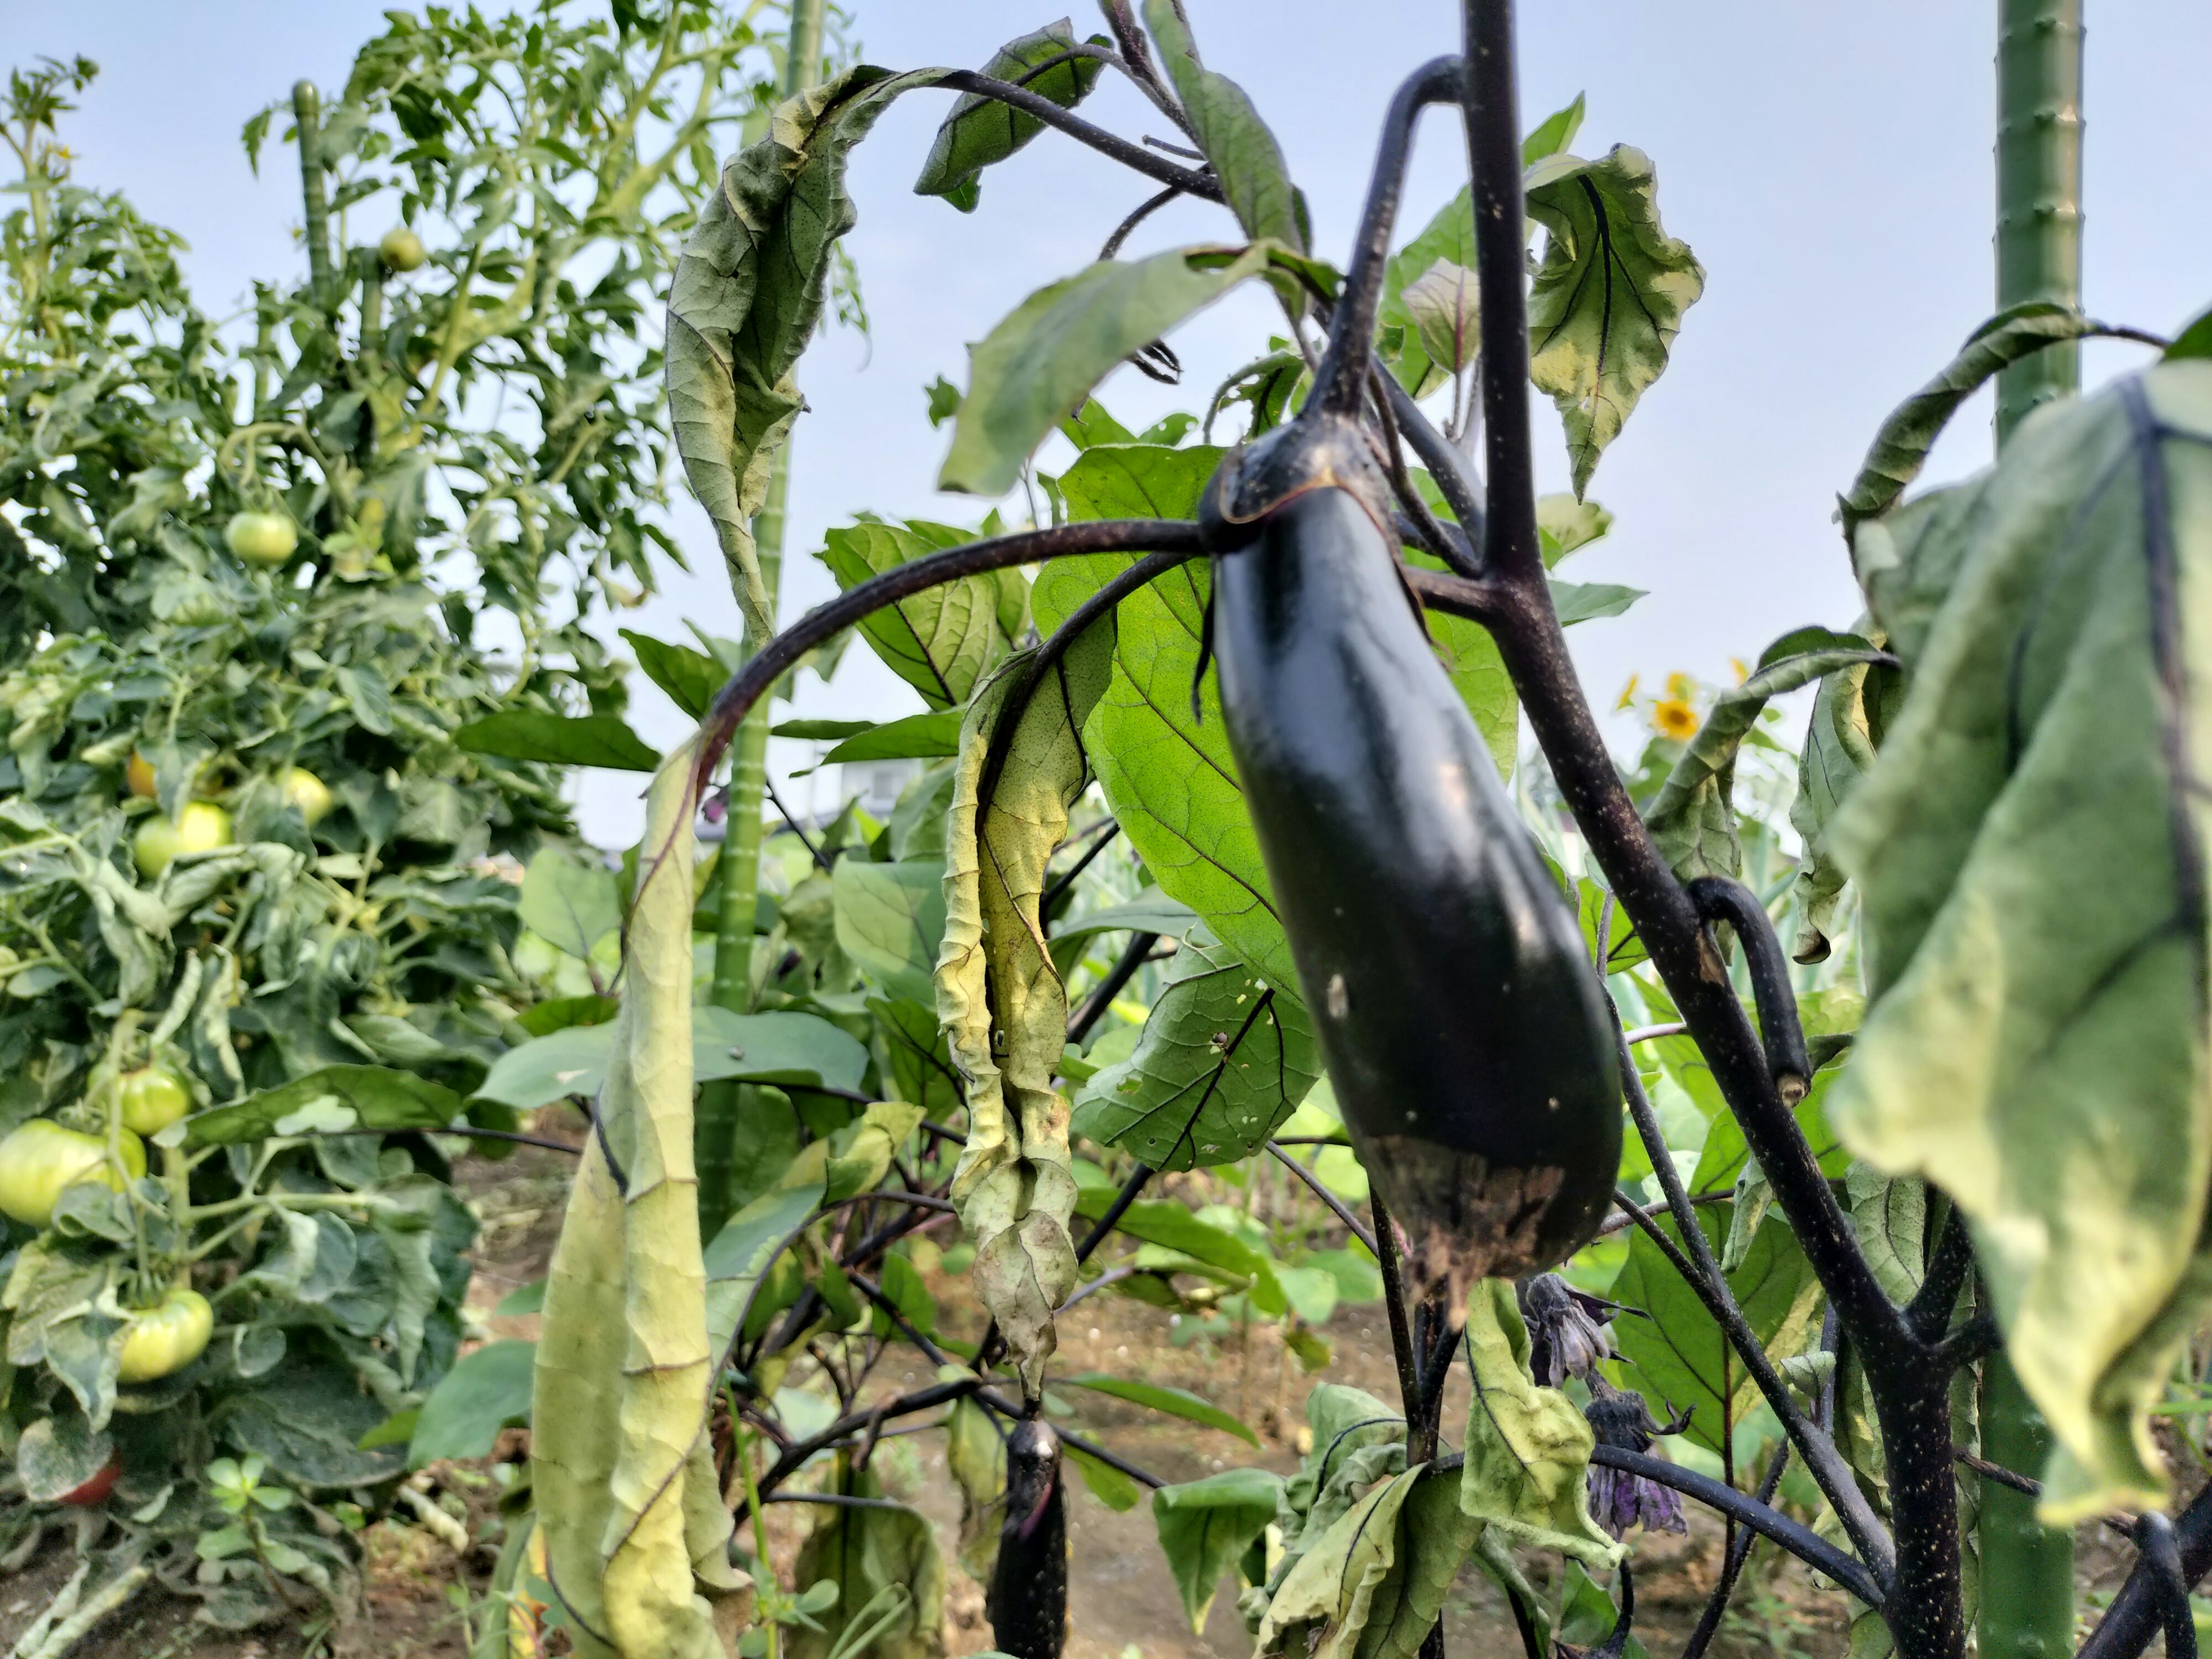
<point x="1618" y="1499"/>
<point x="1567" y="1330"/>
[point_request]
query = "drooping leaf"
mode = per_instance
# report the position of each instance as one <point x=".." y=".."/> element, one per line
<point x="559" y="739"/>
<point x="1037" y="364"/>
<point x="1223" y="1059"/>
<point x="2036" y="804"/>
<point x="1693" y="819"/>
<point x="1175" y="1402"/>
<point x="747" y="293"/>
<point x="1372" y="1586"/>
<point x="334" y="1098"/>
<point x="1608" y="298"/>
<point x="571" y="901"/>
<point x="1900" y="448"/>
<point x="939" y="641"/>
<point x="1237" y="145"/>
<point x="637" y="1539"/>
<point x="981" y="131"/>
<point x="1526" y="1469"/>
<point x="999" y="998"/>
<point x="1206" y="1525"/>
<point x="484" y="1392"/>
<point x="1678" y="1358"/>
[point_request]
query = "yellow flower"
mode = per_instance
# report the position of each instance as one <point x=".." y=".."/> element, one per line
<point x="1680" y="687"/>
<point x="1628" y="692"/>
<point x="1742" y="673"/>
<point x="1673" y="717"/>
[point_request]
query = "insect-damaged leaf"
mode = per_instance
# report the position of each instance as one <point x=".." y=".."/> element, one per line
<point x="1224" y="1058"/>
<point x="636" y="1534"/>
<point x="1061" y="341"/>
<point x="1608" y="299"/>
<point x="1527" y="1470"/>
<point x="2038" y="807"/>
<point x="982" y="131"/>
<point x="940" y="640"/>
<point x="1003" y="1007"/>
<point x="1693" y="819"/>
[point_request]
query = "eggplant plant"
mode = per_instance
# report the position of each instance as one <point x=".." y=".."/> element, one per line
<point x="1979" y="1130"/>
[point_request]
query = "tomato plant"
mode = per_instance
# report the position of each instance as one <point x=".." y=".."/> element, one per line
<point x="260" y="898"/>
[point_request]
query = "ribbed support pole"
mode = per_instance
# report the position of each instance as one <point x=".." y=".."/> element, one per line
<point x="2038" y="241"/>
<point x="737" y="871"/>
<point x="2028" y="1570"/>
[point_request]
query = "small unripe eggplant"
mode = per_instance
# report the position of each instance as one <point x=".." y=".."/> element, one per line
<point x="1466" y="1032"/>
<point x="1027" y="1604"/>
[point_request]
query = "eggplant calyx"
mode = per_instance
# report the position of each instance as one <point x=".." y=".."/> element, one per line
<point x="1315" y="451"/>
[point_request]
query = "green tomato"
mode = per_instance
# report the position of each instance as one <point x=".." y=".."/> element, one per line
<point x="153" y="1097"/>
<point x="401" y="249"/>
<point x="166" y="1338"/>
<point x="42" y="1157"/>
<point x="204" y="827"/>
<point x="304" y="790"/>
<point x="265" y="539"/>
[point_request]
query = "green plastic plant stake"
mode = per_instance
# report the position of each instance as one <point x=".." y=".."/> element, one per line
<point x="2027" y="1570"/>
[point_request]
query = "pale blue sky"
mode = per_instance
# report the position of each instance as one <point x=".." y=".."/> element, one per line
<point x="1831" y="166"/>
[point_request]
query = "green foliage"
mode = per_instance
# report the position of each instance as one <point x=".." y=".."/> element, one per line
<point x="1236" y="142"/>
<point x="1608" y="298"/>
<point x="981" y="131"/>
<point x="2046" y="733"/>
<point x="1205" y="1526"/>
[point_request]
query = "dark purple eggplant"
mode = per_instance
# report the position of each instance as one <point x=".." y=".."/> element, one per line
<point x="1027" y="1604"/>
<point x="1466" y="1032"/>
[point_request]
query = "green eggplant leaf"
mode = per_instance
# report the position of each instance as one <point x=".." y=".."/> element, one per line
<point x="485" y="1392"/>
<point x="931" y="736"/>
<point x="1206" y="1525"/>
<point x="1679" y="1357"/>
<point x="1223" y="1059"/>
<point x="886" y="1577"/>
<point x="690" y="677"/>
<point x="939" y="641"/>
<point x="891" y="921"/>
<point x="1243" y="153"/>
<point x="1373" y="1584"/>
<point x="528" y="734"/>
<point x="570" y="900"/>
<point x="1694" y="817"/>
<point x="1150" y="912"/>
<point x="981" y="131"/>
<point x="1061" y="341"/>
<point x="1608" y="298"/>
<point x="1900" y="448"/>
<point x="2036" y="807"/>
<point x="1175" y="1402"/>
<point x="1839" y="748"/>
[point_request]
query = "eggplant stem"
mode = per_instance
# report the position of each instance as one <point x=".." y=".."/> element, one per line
<point x="1339" y="385"/>
<point x="1133" y="156"/>
<point x="1719" y="899"/>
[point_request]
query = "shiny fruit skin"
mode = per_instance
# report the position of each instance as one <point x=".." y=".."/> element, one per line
<point x="138" y="775"/>
<point x="94" y="1491"/>
<point x="40" y="1159"/>
<point x="1466" y="1033"/>
<point x="166" y="1338"/>
<point x="401" y="250"/>
<point x="153" y="1097"/>
<point x="202" y="829"/>
<point x="263" y="538"/>
<point x="303" y="789"/>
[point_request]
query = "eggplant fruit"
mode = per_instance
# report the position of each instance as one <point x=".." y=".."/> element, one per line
<point x="1466" y="1032"/>
<point x="1027" y="1603"/>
